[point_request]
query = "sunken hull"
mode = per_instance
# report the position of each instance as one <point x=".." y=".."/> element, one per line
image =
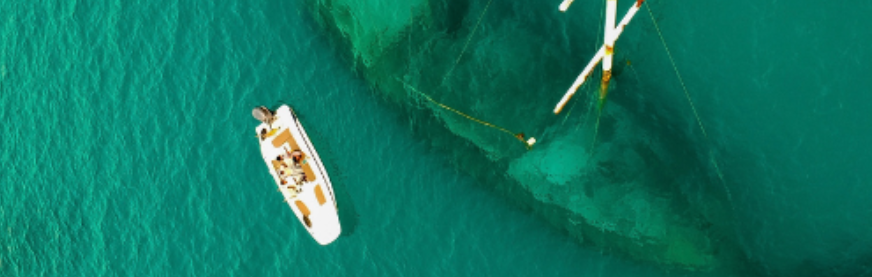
<point x="625" y="187"/>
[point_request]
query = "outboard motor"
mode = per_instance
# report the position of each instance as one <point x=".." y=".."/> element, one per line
<point x="263" y="114"/>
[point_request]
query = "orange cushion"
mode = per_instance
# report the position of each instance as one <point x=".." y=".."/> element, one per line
<point x="310" y="174"/>
<point x="320" y="195"/>
<point x="282" y="138"/>
<point x="302" y="207"/>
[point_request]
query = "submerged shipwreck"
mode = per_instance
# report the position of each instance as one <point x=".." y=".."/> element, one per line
<point x="617" y="181"/>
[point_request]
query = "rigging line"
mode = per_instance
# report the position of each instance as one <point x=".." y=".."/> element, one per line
<point x="585" y="84"/>
<point x="571" y="107"/>
<point x="675" y="68"/>
<point x="629" y="64"/>
<point x="456" y="61"/>
<point x="692" y="107"/>
<point x="635" y="73"/>
<point x="599" y="113"/>
<point x="593" y="97"/>
<point x="519" y="136"/>
<point x="568" y="113"/>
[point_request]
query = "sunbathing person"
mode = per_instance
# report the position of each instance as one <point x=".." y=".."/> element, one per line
<point x="297" y="156"/>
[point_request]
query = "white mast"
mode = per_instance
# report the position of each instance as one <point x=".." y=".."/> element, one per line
<point x="611" y="10"/>
<point x="609" y="44"/>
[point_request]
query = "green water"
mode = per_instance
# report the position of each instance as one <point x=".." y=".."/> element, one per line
<point x="128" y="148"/>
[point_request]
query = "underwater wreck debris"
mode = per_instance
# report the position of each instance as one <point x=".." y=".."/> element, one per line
<point x="621" y="199"/>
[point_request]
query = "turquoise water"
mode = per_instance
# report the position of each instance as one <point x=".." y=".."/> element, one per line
<point x="128" y="146"/>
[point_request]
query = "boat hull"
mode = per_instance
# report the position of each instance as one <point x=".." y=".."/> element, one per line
<point x="312" y="199"/>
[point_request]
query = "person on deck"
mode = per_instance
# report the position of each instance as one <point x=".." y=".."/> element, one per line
<point x="297" y="156"/>
<point x="296" y="166"/>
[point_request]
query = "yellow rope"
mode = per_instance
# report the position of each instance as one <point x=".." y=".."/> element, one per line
<point x="519" y="136"/>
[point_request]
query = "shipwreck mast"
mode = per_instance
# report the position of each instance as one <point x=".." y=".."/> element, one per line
<point x="605" y="52"/>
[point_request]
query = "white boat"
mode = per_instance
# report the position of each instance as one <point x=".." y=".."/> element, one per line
<point x="298" y="172"/>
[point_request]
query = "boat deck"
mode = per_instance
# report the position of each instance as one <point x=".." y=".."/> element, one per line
<point x="314" y="204"/>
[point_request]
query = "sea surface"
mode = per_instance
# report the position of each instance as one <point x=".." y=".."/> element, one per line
<point x="127" y="145"/>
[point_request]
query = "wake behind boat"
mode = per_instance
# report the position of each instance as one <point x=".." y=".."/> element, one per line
<point x="298" y="172"/>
